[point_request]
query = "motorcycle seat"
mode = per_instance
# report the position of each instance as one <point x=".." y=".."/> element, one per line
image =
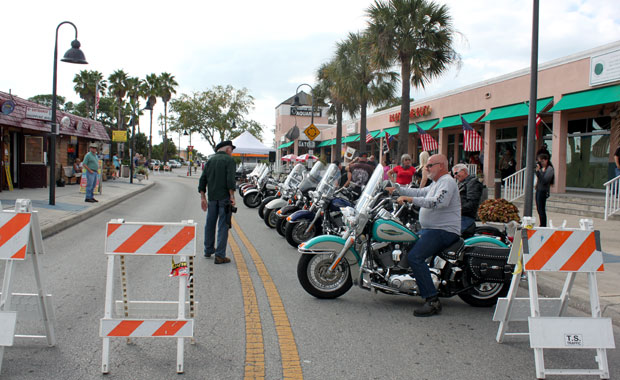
<point x="452" y="252"/>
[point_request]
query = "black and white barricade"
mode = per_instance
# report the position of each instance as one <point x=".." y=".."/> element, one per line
<point x="20" y="239"/>
<point x="141" y="319"/>
<point x="564" y="250"/>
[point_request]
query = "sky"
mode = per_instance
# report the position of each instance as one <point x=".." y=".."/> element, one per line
<point x="270" y="47"/>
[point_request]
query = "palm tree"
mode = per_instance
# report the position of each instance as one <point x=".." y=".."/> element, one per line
<point x="166" y="89"/>
<point x="134" y="92"/>
<point x="86" y="84"/>
<point x="363" y="81"/>
<point x="150" y="91"/>
<point x="418" y="35"/>
<point x="118" y="90"/>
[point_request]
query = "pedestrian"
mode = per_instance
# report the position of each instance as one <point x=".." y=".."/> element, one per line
<point x="117" y="164"/>
<point x="617" y="160"/>
<point x="386" y="167"/>
<point x="544" y="176"/>
<point x="421" y="175"/>
<point x="219" y="176"/>
<point x="359" y="172"/>
<point x="91" y="163"/>
<point x="343" y="173"/>
<point x="507" y="164"/>
<point x="404" y="172"/>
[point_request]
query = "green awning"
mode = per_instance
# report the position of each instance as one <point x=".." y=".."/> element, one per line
<point x="516" y="110"/>
<point x="425" y="125"/>
<point x="326" y="143"/>
<point x="374" y="134"/>
<point x="588" y="98"/>
<point x="285" y="145"/>
<point x="350" y="138"/>
<point x="392" y="131"/>
<point x="455" y="120"/>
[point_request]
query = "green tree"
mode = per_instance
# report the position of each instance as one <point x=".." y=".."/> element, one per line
<point x="150" y="91"/>
<point x="118" y="90"/>
<point x="46" y="100"/>
<point x="86" y="84"/>
<point x="416" y="34"/>
<point x="166" y="88"/>
<point x="158" y="150"/>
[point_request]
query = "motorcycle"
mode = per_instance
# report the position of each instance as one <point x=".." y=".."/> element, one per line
<point x="287" y="191"/>
<point x="324" y="215"/>
<point x="252" y="179"/>
<point x="371" y="253"/>
<point x="265" y="186"/>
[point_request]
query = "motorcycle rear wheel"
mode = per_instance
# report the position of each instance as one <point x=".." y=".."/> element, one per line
<point x="313" y="276"/>
<point x="252" y="200"/>
<point x="484" y="294"/>
<point x="281" y="226"/>
<point x="271" y="218"/>
<point x="295" y="232"/>
<point x="261" y="208"/>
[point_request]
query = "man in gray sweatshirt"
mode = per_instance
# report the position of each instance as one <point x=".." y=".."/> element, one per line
<point x="440" y="217"/>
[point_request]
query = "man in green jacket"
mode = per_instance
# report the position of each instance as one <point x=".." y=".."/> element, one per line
<point x="91" y="163"/>
<point x="219" y="177"/>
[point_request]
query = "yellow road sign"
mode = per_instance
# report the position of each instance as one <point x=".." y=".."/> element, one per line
<point x="312" y="132"/>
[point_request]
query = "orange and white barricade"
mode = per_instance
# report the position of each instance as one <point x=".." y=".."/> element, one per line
<point x="20" y="238"/>
<point x="142" y="319"/>
<point x="558" y="250"/>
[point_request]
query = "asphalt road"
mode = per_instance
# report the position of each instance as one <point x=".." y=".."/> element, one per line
<point x="361" y="335"/>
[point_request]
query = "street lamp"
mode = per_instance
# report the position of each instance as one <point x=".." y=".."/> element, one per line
<point x="297" y="104"/>
<point x="73" y="55"/>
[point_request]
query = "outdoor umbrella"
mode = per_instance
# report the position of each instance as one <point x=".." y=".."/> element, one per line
<point x="289" y="157"/>
<point x="306" y="157"/>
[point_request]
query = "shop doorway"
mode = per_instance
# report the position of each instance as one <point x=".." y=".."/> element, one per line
<point x="587" y="154"/>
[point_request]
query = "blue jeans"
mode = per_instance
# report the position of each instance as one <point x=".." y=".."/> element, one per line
<point x="91" y="181"/>
<point x="466" y="221"/>
<point x="430" y="243"/>
<point x="216" y="214"/>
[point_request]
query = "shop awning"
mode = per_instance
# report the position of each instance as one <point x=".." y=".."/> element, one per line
<point x="375" y="134"/>
<point x="285" y="145"/>
<point x="516" y="110"/>
<point x="455" y="120"/>
<point x="350" y="138"/>
<point x="588" y="98"/>
<point x="326" y="143"/>
<point x="392" y="131"/>
<point x="425" y="125"/>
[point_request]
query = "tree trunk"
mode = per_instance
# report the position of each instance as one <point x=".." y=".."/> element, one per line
<point x="151" y="136"/>
<point x="363" y="127"/>
<point x="403" y="129"/>
<point x="165" y="132"/>
<point x="338" y="155"/>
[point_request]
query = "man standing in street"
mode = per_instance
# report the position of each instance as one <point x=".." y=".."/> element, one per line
<point x="470" y="190"/>
<point x="359" y="171"/>
<point x="219" y="176"/>
<point x="91" y="163"/>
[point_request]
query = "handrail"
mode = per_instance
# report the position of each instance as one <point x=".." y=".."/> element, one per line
<point x="472" y="169"/>
<point x="612" y="196"/>
<point x="514" y="185"/>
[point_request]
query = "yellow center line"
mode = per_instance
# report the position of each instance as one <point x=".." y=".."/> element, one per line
<point x="291" y="367"/>
<point x="254" y="349"/>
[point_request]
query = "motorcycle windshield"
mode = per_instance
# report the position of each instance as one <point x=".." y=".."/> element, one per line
<point x="263" y="176"/>
<point x="313" y="178"/>
<point x="295" y="177"/>
<point x="329" y="181"/>
<point x="373" y="185"/>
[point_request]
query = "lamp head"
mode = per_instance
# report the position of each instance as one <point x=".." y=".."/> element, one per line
<point x="75" y="55"/>
<point x="185" y="133"/>
<point x="296" y="102"/>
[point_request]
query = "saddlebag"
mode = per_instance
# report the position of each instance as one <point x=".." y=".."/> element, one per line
<point x="486" y="264"/>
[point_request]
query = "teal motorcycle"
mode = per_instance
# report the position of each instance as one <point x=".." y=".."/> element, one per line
<point x="372" y="253"/>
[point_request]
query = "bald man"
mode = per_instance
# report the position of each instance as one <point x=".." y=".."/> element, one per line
<point x="440" y="217"/>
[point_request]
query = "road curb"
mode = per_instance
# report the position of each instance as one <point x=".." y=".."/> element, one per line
<point x="75" y="219"/>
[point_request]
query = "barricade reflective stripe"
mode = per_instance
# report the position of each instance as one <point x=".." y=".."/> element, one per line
<point x="146" y="328"/>
<point x="563" y="251"/>
<point x="14" y="235"/>
<point x="150" y="239"/>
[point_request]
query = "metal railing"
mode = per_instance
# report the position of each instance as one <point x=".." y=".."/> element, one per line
<point x="612" y="196"/>
<point x="472" y="169"/>
<point x="514" y="185"/>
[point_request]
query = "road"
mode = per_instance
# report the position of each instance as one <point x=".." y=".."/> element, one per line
<point x="253" y="317"/>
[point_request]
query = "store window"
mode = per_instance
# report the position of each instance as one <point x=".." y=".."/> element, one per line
<point x="505" y="150"/>
<point x="33" y="149"/>
<point x="587" y="153"/>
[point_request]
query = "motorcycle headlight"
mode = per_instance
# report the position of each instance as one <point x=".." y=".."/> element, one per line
<point x="349" y="216"/>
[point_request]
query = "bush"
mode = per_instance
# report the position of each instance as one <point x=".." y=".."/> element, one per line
<point x="498" y="210"/>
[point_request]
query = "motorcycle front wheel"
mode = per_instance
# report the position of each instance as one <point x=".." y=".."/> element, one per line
<point x="271" y="217"/>
<point x="252" y="200"/>
<point x="296" y="232"/>
<point x="312" y="272"/>
<point x="281" y="226"/>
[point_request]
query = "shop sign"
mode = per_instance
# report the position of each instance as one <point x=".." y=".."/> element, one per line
<point x="605" y="68"/>
<point x="351" y="128"/>
<point x="414" y="113"/>
<point x="306" y="144"/>
<point x="305" y="111"/>
<point x="38" y="113"/>
<point x="119" y="136"/>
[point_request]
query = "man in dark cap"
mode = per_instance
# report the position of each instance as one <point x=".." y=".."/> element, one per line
<point x="359" y="171"/>
<point x="219" y="176"/>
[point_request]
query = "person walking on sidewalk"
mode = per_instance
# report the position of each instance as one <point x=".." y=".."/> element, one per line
<point x="91" y="163"/>
<point x="544" y="174"/>
<point x="219" y="176"/>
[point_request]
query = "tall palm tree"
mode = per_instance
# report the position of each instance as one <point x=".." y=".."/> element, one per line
<point x="167" y="86"/>
<point x="364" y="82"/>
<point x="134" y="92"/>
<point x="86" y="84"/>
<point x="150" y="90"/>
<point x="418" y="35"/>
<point x="118" y="90"/>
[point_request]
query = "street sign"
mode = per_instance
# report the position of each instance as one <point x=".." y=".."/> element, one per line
<point x="312" y="132"/>
<point x="190" y="148"/>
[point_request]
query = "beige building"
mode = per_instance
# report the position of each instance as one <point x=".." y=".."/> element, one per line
<point x="578" y="100"/>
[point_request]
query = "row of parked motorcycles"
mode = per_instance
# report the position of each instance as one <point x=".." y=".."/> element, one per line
<point x="360" y="235"/>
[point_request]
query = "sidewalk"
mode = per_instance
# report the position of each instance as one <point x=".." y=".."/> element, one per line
<point x="70" y="209"/>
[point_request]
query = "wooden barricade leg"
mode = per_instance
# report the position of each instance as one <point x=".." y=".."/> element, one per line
<point x="181" y="316"/>
<point x="109" y="300"/>
<point x="5" y="305"/>
<point x="595" y="307"/>
<point x="512" y="294"/>
<point x="36" y="241"/>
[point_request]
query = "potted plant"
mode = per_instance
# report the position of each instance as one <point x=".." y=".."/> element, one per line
<point x="141" y="173"/>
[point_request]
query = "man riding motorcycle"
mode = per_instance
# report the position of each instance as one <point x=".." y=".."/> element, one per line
<point x="440" y="217"/>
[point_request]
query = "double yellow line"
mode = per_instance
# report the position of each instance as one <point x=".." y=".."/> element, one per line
<point x="254" y="347"/>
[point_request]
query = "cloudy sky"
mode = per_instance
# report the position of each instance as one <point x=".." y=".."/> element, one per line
<point x="271" y="46"/>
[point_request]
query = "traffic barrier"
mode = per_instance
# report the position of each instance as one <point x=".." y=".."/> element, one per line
<point x="557" y="250"/>
<point x="20" y="234"/>
<point x="149" y="319"/>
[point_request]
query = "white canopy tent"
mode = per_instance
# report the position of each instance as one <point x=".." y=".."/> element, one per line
<point x="246" y="144"/>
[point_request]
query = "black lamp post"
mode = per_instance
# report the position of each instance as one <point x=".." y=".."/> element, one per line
<point x="73" y="55"/>
<point x="297" y="104"/>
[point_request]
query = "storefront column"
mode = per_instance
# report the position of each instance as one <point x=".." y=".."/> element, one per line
<point x="443" y="142"/>
<point x="411" y="145"/>
<point x="296" y="147"/>
<point x="520" y="145"/>
<point x="414" y="150"/>
<point x="489" y="155"/>
<point x="558" y="158"/>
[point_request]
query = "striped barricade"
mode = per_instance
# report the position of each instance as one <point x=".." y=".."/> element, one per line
<point x="149" y="319"/>
<point x="20" y="234"/>
<point x="570" y="251"/>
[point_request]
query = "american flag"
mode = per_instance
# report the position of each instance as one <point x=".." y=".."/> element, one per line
<point x="369" y="137"/>
<point x="472" y="142"/>
<point x="538" y="121"/>
<point x="428" y="142"/>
